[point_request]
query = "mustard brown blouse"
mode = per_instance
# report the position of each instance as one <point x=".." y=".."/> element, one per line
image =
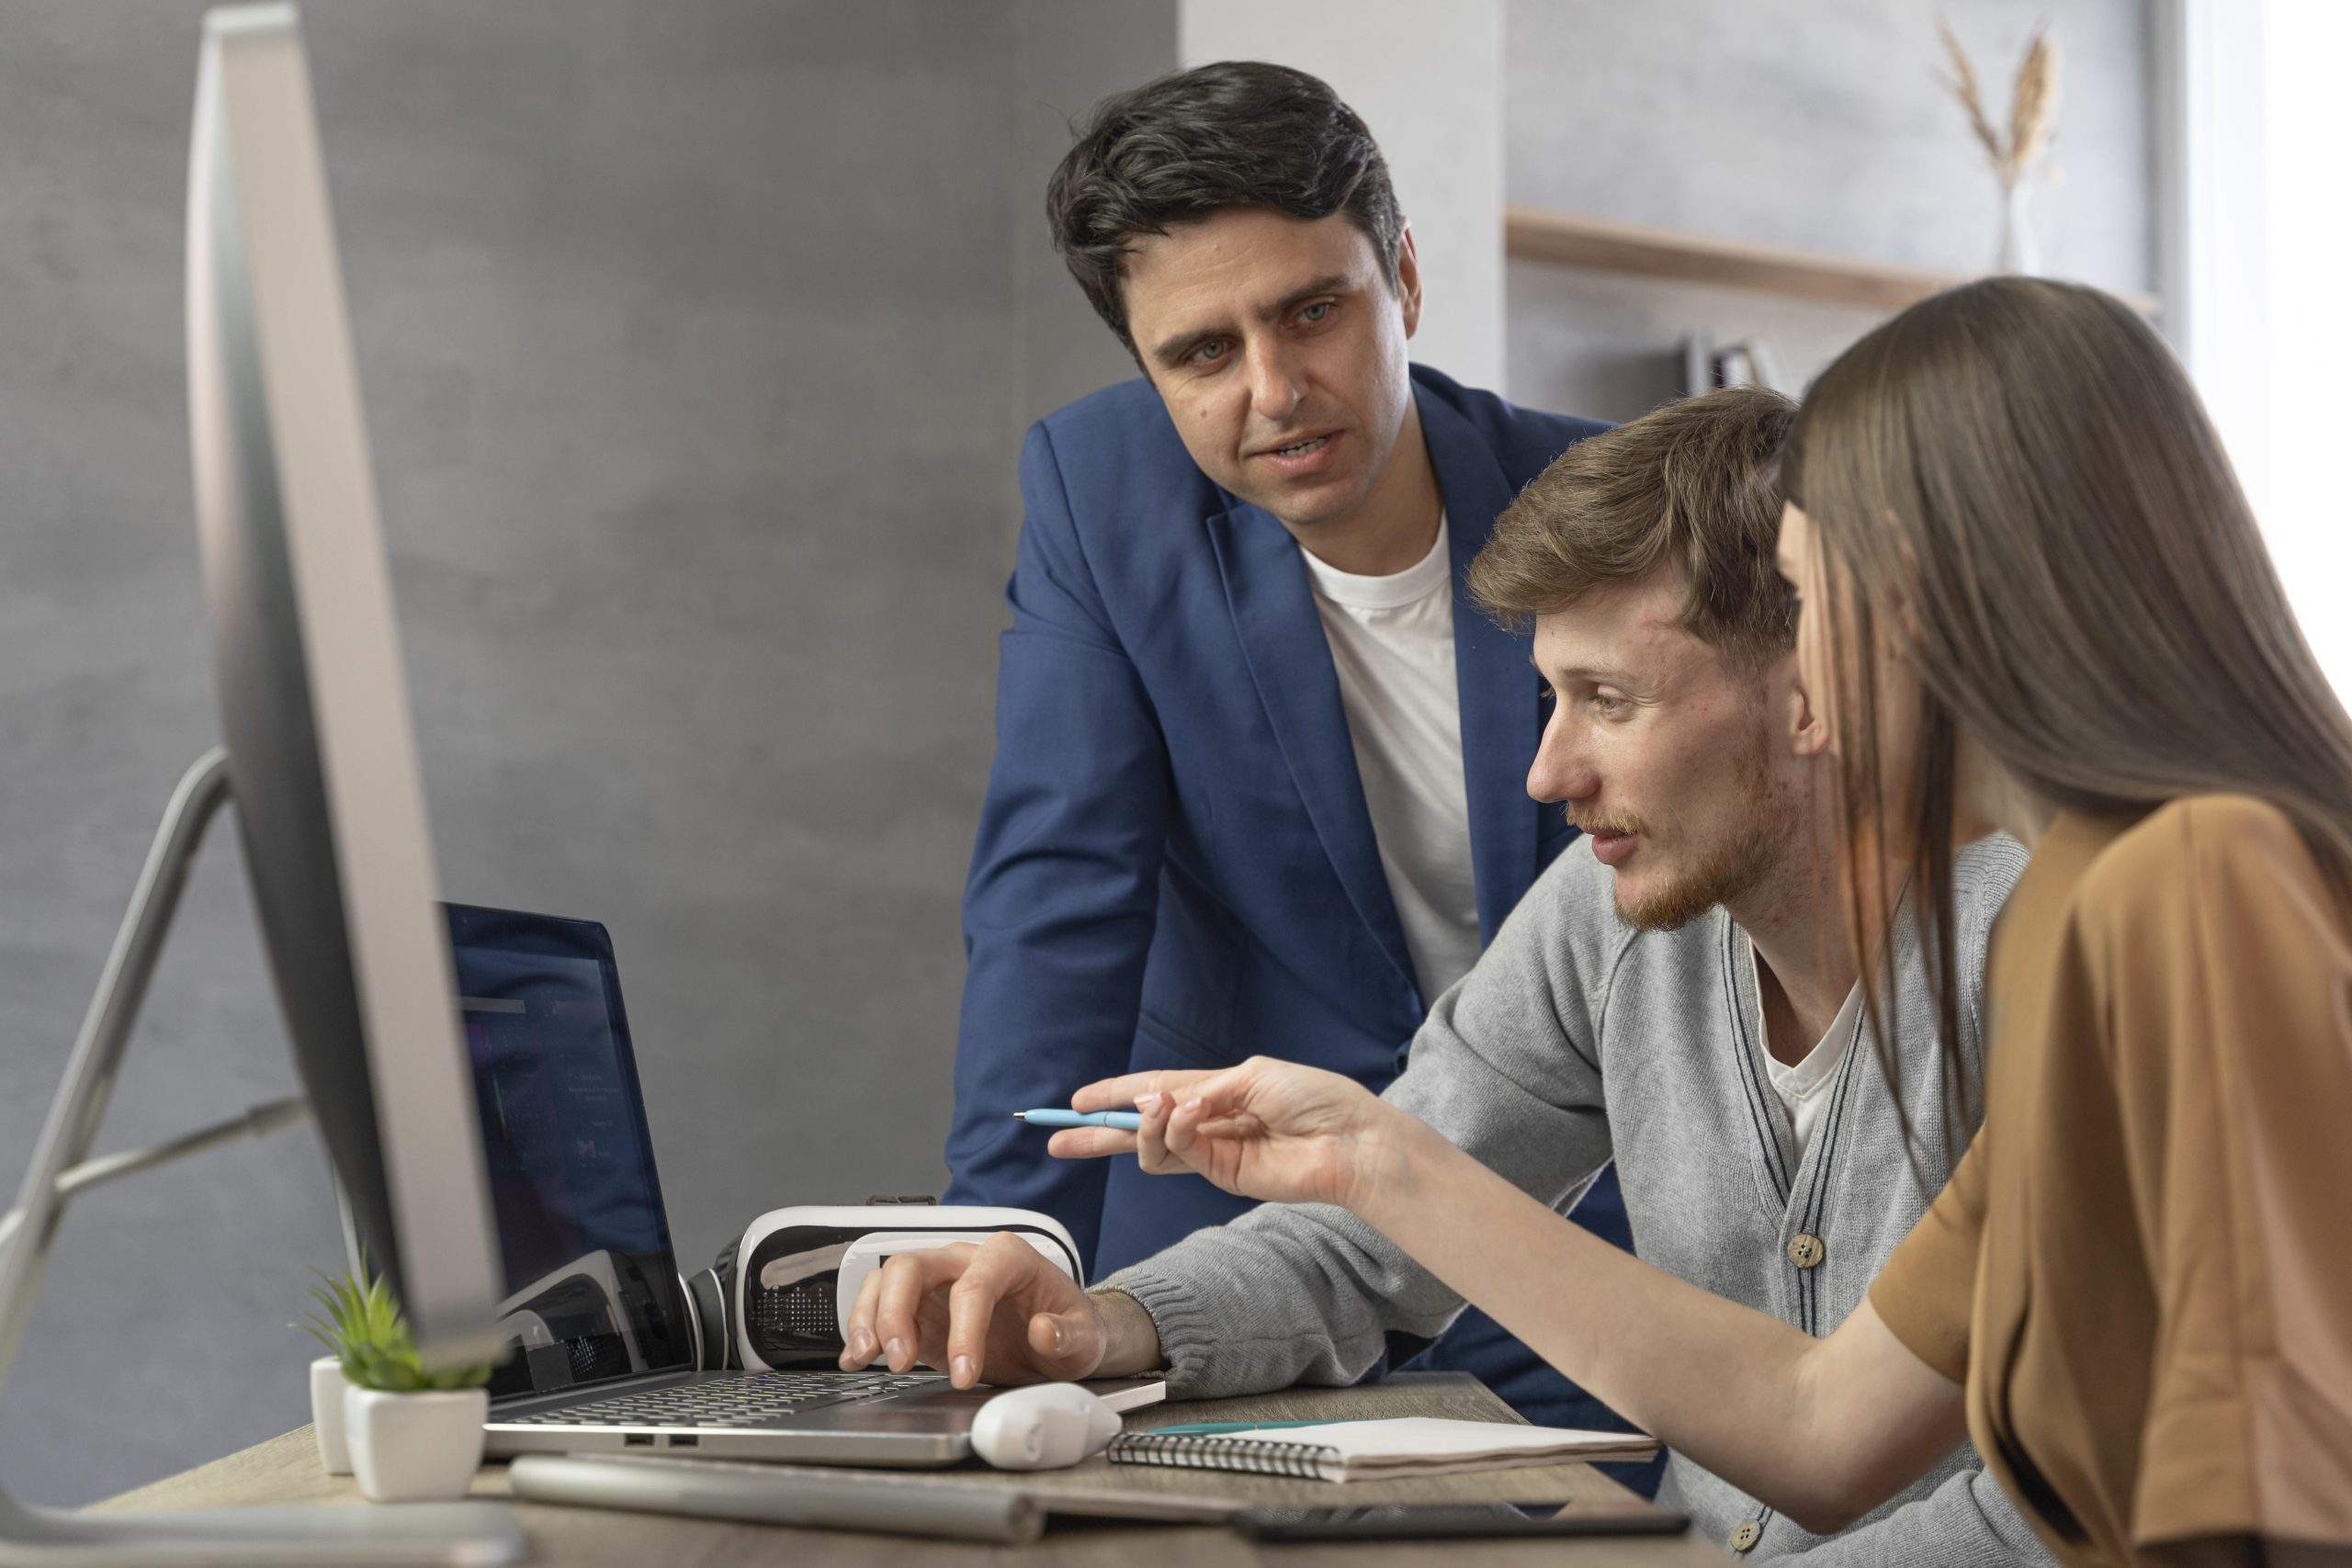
<point x="2142" y="1270"/>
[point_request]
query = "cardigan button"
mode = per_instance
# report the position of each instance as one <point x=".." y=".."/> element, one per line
<point x="1746" y="1534"/>
<point x="1807" y="1251"/>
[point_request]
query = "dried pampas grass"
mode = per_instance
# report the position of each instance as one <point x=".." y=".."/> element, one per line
<point x="2033" y="103"/>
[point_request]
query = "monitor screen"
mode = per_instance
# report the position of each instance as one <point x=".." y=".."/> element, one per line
<point x="592" y="1288"/>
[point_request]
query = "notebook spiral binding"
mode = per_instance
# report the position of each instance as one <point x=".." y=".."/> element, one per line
<point x="1302" y="1461"/>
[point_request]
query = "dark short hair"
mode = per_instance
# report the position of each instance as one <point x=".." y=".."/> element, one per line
<point x="1691" y="486"/>
<point x="1239" y="134"/>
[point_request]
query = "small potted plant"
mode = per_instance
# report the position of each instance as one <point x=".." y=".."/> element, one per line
<point x="413" y="1435"/>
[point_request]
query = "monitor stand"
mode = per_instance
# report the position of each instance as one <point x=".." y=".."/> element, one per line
<point x="439" y="1533"/>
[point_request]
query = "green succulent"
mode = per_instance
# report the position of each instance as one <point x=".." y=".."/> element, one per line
<point x="362" y="1327"/>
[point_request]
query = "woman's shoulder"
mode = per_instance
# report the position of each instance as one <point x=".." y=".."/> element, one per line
<point x="2194" y="864"/>
<point x="2199" y="839"/>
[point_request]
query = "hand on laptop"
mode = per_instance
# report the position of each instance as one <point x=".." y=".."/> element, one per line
<point x="998" y="1311"/>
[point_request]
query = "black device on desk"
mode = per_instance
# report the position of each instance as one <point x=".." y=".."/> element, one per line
<point x="1452" y="1521"/>
<point x="604" y="1328"/>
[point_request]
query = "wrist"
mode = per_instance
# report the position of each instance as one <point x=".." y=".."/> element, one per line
<point x="1130" y="1339"/>
<point x="1394" y="1157"/>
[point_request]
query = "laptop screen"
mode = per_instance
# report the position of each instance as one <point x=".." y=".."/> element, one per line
<point x="592" y="1287"/>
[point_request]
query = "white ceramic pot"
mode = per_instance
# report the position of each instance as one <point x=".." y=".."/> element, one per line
<point x="415" y="1447"/>
<point x="326" y="1414"/>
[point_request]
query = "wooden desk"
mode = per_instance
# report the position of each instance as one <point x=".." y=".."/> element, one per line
<point x="286" y="1470"/>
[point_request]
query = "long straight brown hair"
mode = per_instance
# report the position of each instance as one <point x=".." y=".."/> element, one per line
<point x="2015" y="484"/>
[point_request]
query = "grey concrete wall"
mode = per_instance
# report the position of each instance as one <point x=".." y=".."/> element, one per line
<point x="1072" y="54"/>
<point x="1816" y="124"/>
<point x="685" y="331"/>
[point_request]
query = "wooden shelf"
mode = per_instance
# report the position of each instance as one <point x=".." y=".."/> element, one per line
<point x="1610" y="247"/>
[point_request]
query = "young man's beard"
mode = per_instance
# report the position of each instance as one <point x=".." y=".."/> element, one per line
<point x="1734" y="869"/>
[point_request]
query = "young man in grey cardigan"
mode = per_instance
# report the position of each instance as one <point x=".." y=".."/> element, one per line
<point x="1677" y="993"/>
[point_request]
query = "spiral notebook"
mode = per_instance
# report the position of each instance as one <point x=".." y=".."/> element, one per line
<point x="1381" y="1451"/>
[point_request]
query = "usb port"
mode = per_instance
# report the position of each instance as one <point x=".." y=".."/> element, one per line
<point x="637" y="1440"/>
<point x="690" y="1440"/>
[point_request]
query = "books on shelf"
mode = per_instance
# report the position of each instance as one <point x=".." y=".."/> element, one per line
<point x="1380" y="1451"/>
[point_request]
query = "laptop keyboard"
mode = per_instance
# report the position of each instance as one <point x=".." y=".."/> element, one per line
<point x="755" y="1399"/>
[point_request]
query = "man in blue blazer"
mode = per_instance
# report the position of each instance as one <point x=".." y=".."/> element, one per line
<point x="1260" y="780"/>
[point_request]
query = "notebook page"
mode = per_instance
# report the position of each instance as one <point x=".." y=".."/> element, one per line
<point x="1433" y="1438"/>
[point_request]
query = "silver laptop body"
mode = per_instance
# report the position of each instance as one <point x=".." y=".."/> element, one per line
<point x="812" y="1417"/>
<point x="603" y="1329"/>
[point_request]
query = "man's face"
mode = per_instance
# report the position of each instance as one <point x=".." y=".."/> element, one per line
<point x="1673" y="763"/>
<point x="1279" y="348"/>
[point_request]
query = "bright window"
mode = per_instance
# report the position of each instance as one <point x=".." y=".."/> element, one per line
<point x="2265" y="251"/>
<point x="2303" y="483"/>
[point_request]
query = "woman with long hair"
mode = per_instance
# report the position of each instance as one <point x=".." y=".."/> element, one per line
<point x="2033" y="600"/>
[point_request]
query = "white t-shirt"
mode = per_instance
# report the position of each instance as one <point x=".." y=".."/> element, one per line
<point x="1392" y="642"/>
<point x="1803" y="1088"/>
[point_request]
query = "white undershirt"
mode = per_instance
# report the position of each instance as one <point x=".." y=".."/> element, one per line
<point x="1802" y="1088"/>
<point x="1392" y="643"/>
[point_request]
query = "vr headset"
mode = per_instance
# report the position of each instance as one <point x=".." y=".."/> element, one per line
<point x="778" y="1297"/>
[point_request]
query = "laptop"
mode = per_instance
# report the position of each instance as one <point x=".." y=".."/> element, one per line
<point x="603" y="1334"/>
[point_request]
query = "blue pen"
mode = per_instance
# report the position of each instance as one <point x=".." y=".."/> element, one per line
<point x="1125" y="1121"/>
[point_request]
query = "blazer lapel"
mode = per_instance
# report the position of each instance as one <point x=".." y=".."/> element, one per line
<point x="1290" y="662"/>
<point x="1501" y="718"/>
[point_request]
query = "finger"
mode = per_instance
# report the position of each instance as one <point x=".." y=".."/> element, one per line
<point x="1117" y="1094"/>
<point x="1215" y="1100"/>
<point x="906" y="1279"/>
<point x="1151" y="1133"/>
<point x="858" y="1341"/>
<point x="896" y="1297"/>
<point x="1222" y="1093"/>
<point x="1222" y="1128"/>
<point x="1002" y="1265"/>
<point x="1089" y="1143"/>
<point x="1183" y="1128"/>
<point x="930" y="1328"/>
<point x="1072" y="1343"/>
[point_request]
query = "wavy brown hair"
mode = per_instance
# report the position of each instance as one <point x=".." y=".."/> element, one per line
<point x="2020" y="468"/>
<point x="1688" y="486"/>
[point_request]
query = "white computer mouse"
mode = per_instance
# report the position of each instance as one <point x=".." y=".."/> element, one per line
<point x="1048" y="1426"/>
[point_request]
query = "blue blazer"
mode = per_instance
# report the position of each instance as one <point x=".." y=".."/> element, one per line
<point x="1175" y="867"/>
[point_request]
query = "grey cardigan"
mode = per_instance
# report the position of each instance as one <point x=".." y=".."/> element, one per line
<point x="1578" y="1039"/>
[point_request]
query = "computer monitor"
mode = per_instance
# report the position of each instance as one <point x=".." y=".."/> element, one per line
<point x="313" y="704"/>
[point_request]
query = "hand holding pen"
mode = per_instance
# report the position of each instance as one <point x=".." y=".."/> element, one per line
<point x="1264" y="1129"/>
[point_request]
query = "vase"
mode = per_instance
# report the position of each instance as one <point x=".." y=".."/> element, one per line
<point x="326" y="1414"/>
<point x="2019" y="256"/>
<point x="415" y="1447"/>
